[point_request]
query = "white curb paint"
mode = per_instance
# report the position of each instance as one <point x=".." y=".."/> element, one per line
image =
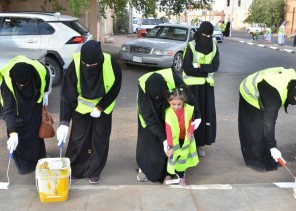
<point x="285" y="184"/>
<point x="260" y="45"/>
<point x="275" y="48"/>
<point x="250" y="43"/>
<point x="242" y="41"/>
<point x="287" y="50"/>
<point x="203" y="187"/>
<point x="97" y="187"/>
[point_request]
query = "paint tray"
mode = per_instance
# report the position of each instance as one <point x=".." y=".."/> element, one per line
<point x="53" y="179"/>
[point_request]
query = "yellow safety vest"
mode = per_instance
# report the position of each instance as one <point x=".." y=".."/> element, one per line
<point x="4" y="74"/>
<point x="200" y="59"/>
<point x="185" y="156"/>
<point x="277" y="77"/>
<point x="281" y="30"/>
<point x="87" y="105"/>
<point x="168" y="77"/>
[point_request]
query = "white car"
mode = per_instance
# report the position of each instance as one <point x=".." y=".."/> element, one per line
<point x="260" y="27"/>
<point x="136" y="24"/>
<point x="60" y="35"/>
<point x="217" y="35"/>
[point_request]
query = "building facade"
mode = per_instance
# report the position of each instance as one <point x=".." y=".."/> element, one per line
<point x="290" y="17"/>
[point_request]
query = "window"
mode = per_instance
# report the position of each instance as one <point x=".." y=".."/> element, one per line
<point x="18" y="26"/>
<point x="44" y="27"/>
<point x="228" y="3"/>
<point x="239" y="3"/>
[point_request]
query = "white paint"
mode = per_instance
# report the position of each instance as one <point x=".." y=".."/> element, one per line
<point x="260" y="45"/>
<point x="98" y="187"/>
<point x="204" y="187"/>
<point x="285" y="184"/>
<point x="275" y="48"/>
<point x="289" y="51"/>
<point x="250" y="43"/>
<point x="244" y="42"/>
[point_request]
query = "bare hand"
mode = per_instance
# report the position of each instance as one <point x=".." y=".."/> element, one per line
<point x="169" y="153"/>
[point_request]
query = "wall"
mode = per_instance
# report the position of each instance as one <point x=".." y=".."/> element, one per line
<point x="290" y="17"/>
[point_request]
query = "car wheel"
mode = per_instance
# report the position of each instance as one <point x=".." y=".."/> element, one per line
<point x="55" y="69"/>
<point x="177" y="63"/>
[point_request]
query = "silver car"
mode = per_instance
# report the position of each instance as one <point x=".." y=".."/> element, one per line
<point x="162" y="47"/>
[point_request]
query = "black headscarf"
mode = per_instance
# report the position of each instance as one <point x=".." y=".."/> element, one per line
<point x="156" y="87"/>
<point x="204" y="44"/>
<point x="22" y="75"/>
<point x="291" y="94"/>
<point x="91" y="78"/>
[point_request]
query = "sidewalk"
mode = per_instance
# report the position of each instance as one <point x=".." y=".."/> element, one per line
<point x="155" y="197"/>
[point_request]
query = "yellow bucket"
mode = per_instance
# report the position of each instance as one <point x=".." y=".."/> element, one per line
<point x="52" y="180"/>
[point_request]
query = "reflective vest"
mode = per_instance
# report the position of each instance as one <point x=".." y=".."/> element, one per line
<point x="186" y="156"/>
<point x="277" y="77"/>
<point x="168" y="77"/>
<point x="281" y="30"/>
<point x="87" y="105"/>
<point x="4" y="74"/>
<point x="268" y="31"/>
<point x="200" y="58"/>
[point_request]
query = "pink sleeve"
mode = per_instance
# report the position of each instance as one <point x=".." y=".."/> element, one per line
<point x="168" y="131"/>
<point x="191" y="127"/>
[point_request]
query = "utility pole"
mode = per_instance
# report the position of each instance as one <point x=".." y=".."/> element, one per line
<point x="130" y="18"/>
<point x="231" y="20"/>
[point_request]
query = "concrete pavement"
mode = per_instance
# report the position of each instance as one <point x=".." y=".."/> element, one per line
<point x="153" y="196"/>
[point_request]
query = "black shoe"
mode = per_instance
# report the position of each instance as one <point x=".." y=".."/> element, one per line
<point x="73" y="179"/>
<point x="94" y="180"/>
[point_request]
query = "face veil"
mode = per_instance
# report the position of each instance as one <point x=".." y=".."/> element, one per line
<point x="91" y="70"/>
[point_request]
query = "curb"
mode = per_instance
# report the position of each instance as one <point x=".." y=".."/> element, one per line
<point x="264" y="46"/>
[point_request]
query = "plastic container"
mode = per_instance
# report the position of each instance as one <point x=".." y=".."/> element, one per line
<point x="53" y="184"/>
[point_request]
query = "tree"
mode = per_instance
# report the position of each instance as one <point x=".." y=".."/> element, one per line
<point x="169" y="7"/>
<point x="270" y="12"/>
<point x="120" y="22"/>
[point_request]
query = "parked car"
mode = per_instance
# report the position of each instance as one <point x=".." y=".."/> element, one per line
<point x="8" y="53"/>
<point x="217" y="35"/>
<point x="256" y="26"/>
<point x="162" y="47"/>
<point x="60" y="35"/>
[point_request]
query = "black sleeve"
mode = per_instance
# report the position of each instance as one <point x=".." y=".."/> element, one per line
<point x="47" y="79"/>
<point x="191" y="99"/>
<point x="69" y="95"/>
<point x="204" y="68"/>
<point x="270" y="102"/>
<point x="148" y="115"/>
<point x="9" y="108"/>
<point x="114" y="91"/>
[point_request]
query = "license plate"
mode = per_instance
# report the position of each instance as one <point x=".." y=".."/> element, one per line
<point x="137" y="59"/>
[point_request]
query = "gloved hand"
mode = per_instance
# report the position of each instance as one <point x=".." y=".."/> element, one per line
<point x="12" y="142"/>
<point x="45" y="99"/>
<point x="165" y="145"/>
<point x="96" y="113"/>
<point x="196" y="123"/>
<point x="62" y="133"/>
<point x="276" y="154"/>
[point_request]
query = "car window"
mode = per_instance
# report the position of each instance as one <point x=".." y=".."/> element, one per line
<point x="15" y="26"/>
<point x="149" y="22"/>
<point x="168" y="32"/>
<point x="191" y="34"/>
<point x="76" y="26"/>
<point x="44" y="28"/>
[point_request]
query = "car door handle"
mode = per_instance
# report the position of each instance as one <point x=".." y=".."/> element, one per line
<point x="31" y="41"/>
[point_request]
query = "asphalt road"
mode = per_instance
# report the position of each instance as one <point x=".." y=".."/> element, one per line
<point x="223" y="162"/>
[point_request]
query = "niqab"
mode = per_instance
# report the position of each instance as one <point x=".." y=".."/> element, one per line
<point x="204" y="44"/>
<point x="91" y="77"/>
<point x="22" y="76"/>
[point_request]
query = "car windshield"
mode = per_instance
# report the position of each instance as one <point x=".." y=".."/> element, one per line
<point x="168" y="32"/>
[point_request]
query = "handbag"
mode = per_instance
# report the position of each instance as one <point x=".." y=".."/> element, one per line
<point x="46" y="129"/>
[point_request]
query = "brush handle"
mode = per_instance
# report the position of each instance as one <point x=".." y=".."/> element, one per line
<point x="282" y="162"/>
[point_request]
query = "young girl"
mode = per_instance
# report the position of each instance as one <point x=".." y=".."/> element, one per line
<point x="181" y="149"/>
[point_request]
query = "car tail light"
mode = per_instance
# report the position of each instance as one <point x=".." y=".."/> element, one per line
<point x="76" y="40"/>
